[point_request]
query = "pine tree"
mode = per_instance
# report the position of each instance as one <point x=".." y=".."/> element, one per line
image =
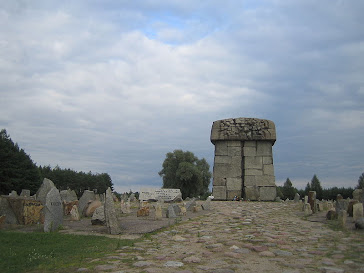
<point x="316" y="186"/>
<point x="361" y="182"/>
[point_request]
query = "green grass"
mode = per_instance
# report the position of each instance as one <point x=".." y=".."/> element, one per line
<point x="52" y="252"/>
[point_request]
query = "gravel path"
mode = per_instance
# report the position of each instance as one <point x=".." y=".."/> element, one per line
<point x="243" y="237"/>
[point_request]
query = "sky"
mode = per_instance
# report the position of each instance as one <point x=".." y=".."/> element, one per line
<point x="112" y="86"/>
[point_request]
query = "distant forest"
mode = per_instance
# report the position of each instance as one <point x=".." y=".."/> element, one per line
<point x="18" y="171"/>
<point x="289" y="191"/>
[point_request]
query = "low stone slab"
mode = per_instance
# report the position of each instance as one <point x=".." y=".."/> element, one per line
<point x="167" y="195"/>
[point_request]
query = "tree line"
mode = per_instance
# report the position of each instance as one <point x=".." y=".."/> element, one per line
<point x="289" y="191"/>
<point x="18" y="171"/>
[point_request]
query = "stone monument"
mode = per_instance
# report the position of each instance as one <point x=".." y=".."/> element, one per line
<point x="243" y="164"/>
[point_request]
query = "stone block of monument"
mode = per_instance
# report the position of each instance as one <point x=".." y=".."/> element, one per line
<point x="243" y="163"/>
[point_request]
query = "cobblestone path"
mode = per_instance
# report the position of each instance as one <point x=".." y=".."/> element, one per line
<point x="243" y="237"/>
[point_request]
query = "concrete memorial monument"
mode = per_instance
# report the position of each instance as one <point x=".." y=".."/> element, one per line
<point x="167" y="195"/>
<point x="53" y="213"/>
<point x="243" y="164"/>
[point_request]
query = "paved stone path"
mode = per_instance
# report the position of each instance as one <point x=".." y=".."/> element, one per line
<point x="243" y="237"/>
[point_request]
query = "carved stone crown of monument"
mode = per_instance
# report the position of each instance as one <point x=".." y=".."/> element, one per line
<point x="243" y="164"/>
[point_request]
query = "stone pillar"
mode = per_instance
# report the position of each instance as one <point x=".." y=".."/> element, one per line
<point x="243" y="164"/>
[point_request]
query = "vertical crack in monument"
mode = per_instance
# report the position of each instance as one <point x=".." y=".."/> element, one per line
<point x="243" y="164"/>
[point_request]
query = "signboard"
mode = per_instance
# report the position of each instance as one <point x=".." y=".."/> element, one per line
<point x="159" y="194"/>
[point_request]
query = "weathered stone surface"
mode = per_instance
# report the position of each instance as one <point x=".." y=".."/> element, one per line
<point x="25" y="193"/>
<point x="243" y="158"/>
<point x="341" y="204"/>
<point x="98" y="218"/>
<point x="358" y="195"/>
<point x="170" y="212"/>
<point x="350" y="207"/>
<point x="67" y="206"/>
<point x="68" y="195"/>
<point x="357" y="211"/>
<point x="53" y="211"/>
<point x="342" y="216"/>
<point x="27" y="211"/>
<point x="5" y="209"/>
<point x="167" y="195"/>
<point x="267" y="193"/>
<point x="42" y="192"/>
<point x="142" y="212"/>
<point x="86" y="197"/>
<point x="92" y="207"/>
<point x="312" y="200"/>
<point x="359" y="224"/>
<point x="110" y="214"/>
<point x="2" y="219"/>
<point x="75" y="215"/>
<point x="158" y="211"/>
<point x="297" y="198"/>
<point x="243" y="129"/>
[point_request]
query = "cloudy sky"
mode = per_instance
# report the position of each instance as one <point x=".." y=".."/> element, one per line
<point x="112" y="86"/>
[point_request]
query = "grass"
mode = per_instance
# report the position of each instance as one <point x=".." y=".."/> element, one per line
<point x="52" y="252"/>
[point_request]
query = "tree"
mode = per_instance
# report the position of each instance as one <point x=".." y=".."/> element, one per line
<point x="288" y="190"/>
<point x="184" y="171"/>
<point x="17" y="170"/>
<point x="361" y="182"/>
<point x="316" y="186"/>
<point x="308" y="188"/>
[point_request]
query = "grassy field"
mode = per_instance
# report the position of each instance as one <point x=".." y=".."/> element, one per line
<point x="52" y="252"/>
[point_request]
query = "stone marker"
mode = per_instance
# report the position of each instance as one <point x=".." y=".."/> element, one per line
<point x="357" y="211"/>
<point x="13" y="194"/>
<point x="75" y="215"/>
<point x="167" y="195"/>
<point x="170" y="212"/>
<point x="27" y="211"/>
<point x="84" y="200"/>
<point x="92" y="207"/>
<point x="42" y="192"/>
<point x="341" y="204"/>
<point x="25" y="193"/>
<point x="5" y="209"/>
<point x="207" y="204"/>
<point x="342" y="216"/>
<point x="350" y="207"/>
<point x="68" y="195"/>
<point x="358" y="195"/>
<point x="297" y="198"/>
<point x="158" y="211"/>
<point x="142" y="212"/>
<point x="243" y="164"/>
<point x="53" y="211"/>
<point x="132" y="197"/>
<point x="110" y="214"/>
<point x="307" y="209"/>
<point x="190" y="204"/>
<point x="98" y="218"/>
<point x="67" y="206"/>
<point x="312" y="200"/>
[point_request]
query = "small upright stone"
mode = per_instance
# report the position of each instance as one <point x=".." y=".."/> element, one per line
<point x="170" y="212"/>
<point x="312" y="200"/>
<point x="75" y="216"/>
<point x="357" y="211"/>
<point x="25" y="193"/>
<point x="110" y="214"/>
<point x="342" y="216"/>
<point x="98" y="218"/>
<point x="158" y="211"/>
<point x="297" y="198"/>
<point x="53" y="213"/>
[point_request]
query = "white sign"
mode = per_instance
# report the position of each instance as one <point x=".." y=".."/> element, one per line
<point x="159" y="194"/>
